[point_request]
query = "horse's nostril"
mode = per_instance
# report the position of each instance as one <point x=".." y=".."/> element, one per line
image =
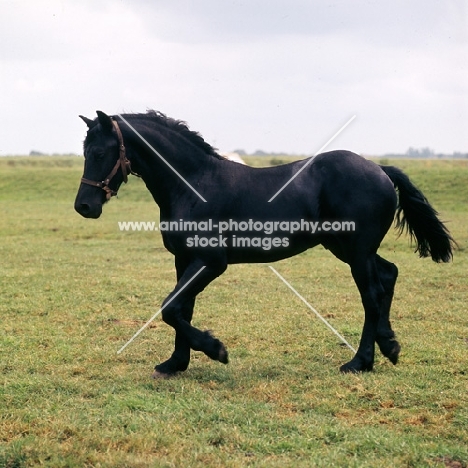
<point x="89" y="210"/>
<point x="82" y="208"/>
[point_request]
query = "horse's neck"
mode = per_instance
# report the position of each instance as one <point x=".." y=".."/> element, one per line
<point x="168" y="165"/>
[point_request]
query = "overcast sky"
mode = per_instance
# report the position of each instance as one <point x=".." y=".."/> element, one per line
<point x="276" y="75"/>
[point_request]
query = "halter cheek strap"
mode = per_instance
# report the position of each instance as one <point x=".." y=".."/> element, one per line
<point x="122" y="163"/>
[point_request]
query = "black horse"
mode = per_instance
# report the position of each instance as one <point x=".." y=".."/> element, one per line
<point x="217" y="212"/>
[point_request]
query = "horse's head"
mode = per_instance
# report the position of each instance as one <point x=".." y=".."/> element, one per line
<point x="105" y="168"/>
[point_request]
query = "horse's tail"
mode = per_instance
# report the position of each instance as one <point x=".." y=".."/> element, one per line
<point x="417" y="217"/>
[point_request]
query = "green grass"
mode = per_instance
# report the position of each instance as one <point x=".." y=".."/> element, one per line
<point x="73" y="291"/>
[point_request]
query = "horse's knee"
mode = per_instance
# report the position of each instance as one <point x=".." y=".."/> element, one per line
<point x="169" y="315"/>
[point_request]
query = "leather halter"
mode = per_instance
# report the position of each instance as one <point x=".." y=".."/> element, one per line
<point x="122" y="163"/>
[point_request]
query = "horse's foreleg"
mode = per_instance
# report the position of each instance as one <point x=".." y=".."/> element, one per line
<point x="178" y="314"/>
<point x="180" y="358"/>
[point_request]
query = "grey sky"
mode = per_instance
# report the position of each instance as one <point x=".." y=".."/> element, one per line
<point x="261" y="74"/>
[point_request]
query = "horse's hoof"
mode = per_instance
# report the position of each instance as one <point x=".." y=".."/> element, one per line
<point x="345" y="369"/>
<point x="391" y="350"/>
<point x="393" y="355"/>
<point x="156" y="375"/>
<point x="223" y="355"/>
<point x="354" y="368"/>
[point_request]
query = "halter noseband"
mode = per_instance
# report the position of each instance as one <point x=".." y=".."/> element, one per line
<point x="122" y="162"/>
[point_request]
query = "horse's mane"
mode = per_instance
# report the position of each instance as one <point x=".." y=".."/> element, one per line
<point x="178" y="126"/>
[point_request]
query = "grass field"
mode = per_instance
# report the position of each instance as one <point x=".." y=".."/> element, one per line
<point x="73" y="291"/>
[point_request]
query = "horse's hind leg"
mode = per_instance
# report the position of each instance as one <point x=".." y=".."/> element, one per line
<point x="366" y="276"/>
<point x="389" y="346"/>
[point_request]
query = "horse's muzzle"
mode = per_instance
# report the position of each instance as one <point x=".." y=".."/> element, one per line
<point x="88" y="211"/>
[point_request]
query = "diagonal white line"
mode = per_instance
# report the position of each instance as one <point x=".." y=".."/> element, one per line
<point x="160" y="157"/>
<point x="161" y="309"/>
<point x="311" y="158"/>
<point x="312" y="309"/>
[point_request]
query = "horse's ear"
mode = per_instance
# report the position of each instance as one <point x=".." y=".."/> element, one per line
<point x="90" y="123"/>
<point x="104" y="120"/>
